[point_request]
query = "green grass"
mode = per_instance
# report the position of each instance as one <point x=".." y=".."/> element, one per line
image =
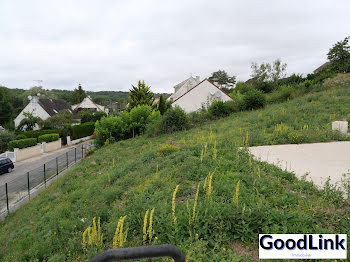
<point x="271" y="200"/>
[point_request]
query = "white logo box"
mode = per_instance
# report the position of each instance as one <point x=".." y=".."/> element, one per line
<point x="302" y="246"/>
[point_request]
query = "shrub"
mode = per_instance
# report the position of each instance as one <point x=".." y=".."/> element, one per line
<point x="86" y="116"/>
<point x="20" y="136"/>
<point x="22" y="143"/>
<point x="37" y="133"/>
<point x="5" y="137"/>
<point x="253" y="99"/>
<point x="174" y="119"/>
<point x="265" y="87"/>
<point x="98" y="115"/>
<point x="243" y="87"/>
<point x="218" y="109"/>
<point x="48" y="138"/>
<point x="139" y="118"/>
<point x="283" y="94"/>
<point x="83" y="130"/>
<point x="199" y="117"/>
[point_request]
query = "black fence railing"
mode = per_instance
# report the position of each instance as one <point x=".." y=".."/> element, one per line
<point x="24" y="187"/>
<point x="133" y="253"/>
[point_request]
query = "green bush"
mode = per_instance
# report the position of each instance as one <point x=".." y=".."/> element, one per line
<point x="174" y="119"/>
<point x="218" y="109"/>
<point x="37" y="133"/>
<point x="83" y="130"/>
<point x="253" y="99"/>
<point x="284" y="93"/>
<point x="48" y="138"/>
<point x="22" y="143"/>
<point x="5" y="137"/>
<point x="139" y="118"/>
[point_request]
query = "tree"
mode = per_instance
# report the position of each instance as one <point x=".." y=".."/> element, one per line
<point x="29" y="122"/>
<point x="277" y="70"/>
<point x="6" y="109"/>
<point x="62" y="120"/>
<point x="339" y="56"/>
<point x="224" y="81"/>
<point x="140" y="95"/>
<point x="78" y="95"/>
<point x="268" y="73"/>
<point x="163" y="105"/>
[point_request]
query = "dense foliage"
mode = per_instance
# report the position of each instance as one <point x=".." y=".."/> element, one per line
<point x="339" y="56"/>
<point x="90" y="116"/>
<point x="5" y="137"/>
<point x="48" y="138"/>
<point x="83" y="130"/>
<point x="140" y="95"/>
<point x="22" y="143"/>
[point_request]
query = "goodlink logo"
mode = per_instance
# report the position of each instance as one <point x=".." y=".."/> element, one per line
<point x="302" y="246"/>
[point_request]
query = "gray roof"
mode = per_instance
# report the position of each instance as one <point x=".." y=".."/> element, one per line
<point x="53" y="106"/>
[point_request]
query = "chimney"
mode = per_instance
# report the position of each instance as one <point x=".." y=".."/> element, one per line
<point x="197" y="79"/>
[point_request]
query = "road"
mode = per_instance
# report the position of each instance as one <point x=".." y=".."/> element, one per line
<point x="17" y="180"/>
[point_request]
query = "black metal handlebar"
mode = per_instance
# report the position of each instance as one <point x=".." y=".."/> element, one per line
<point x="132" y="253"/>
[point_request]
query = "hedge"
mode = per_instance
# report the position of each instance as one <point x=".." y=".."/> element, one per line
<point x="83" y="130"/>
<point x="22" y="143"/>
<point x="48" y="138"/>
<point x="37" y="133"/>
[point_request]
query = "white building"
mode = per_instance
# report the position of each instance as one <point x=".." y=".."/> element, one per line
<point x="87" y="103"/>
<point x="43" y="108"/>
<point x="192" y="97"/>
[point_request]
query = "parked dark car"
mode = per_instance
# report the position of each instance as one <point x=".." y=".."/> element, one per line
<point x="6" y="165"/>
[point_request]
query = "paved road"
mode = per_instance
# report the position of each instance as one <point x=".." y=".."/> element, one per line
<point x="17" y="180"/>
<point x="320" y="160"/>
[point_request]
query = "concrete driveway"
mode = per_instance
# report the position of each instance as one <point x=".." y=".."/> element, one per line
<point x="320" y="160"/>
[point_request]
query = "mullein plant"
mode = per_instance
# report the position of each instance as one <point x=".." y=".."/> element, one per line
<point x="119" y="236"/>
<point x="237" y="193"/>
<point x="92" y="235"/>
<point x="148" y="233"/>
<point x="214" y="150"/>
<point x="173" y="204"/>
<point x="207" y="187"/>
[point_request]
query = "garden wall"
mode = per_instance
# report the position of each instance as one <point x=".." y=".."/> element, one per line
<point x="25" y="153"/>
<point x="51" y="146"/>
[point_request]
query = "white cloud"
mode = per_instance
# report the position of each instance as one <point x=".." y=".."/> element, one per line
<point x="107" y="45"/>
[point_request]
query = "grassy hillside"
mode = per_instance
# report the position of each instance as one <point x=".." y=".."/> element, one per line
<point x="245" y="197"/>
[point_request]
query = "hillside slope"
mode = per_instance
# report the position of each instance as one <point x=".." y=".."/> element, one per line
<point x="245" y="197"/>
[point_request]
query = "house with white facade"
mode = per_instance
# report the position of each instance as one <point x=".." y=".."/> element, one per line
<point x="88" y="104"/>
<point x="192" y="95"/>
<point x="43" y="108"/>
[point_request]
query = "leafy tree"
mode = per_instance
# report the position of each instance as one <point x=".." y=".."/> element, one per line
<point x="6" y="109"/>
<point x="29" y="122"/>
<point x="140" y="95"/>
<point x="85" y="116"/>
<point x="5" y="137"/>
<point x="339" y="55"/>
<point x="224" y="81"/>
<point x="277" y="70"/>
<point x="78" y="95"/>
<point x="163" y="105"/>
<point x="62" y="120"/>
<point x="268" y="73"/>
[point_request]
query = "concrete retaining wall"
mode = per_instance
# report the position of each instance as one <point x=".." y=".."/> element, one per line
<point x="52" y="146"/>
<point x="25" y="153"/>
<point x="76" y="141"/>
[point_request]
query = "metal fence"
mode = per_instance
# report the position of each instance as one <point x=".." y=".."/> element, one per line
<point x="20" y="190"/>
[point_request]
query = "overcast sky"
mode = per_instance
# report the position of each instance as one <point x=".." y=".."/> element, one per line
<point x="109" y="45"/>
